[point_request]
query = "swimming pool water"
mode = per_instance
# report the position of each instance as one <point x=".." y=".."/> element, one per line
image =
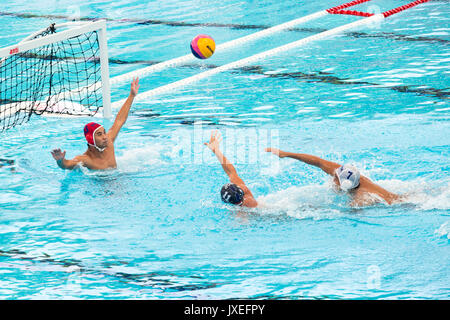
<point x="155" y="227"/>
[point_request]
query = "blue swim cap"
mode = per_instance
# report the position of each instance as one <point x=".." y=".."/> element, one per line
<point x="231" y="193"/>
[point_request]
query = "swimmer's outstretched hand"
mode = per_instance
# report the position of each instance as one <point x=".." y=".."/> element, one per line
<point x="58" y="155"/>
<point x="214" y="141"/>
<point x="134" y="87"/>
<point x="276" y="152"/>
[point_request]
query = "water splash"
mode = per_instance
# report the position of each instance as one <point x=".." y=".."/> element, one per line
<point x="304" y="202"/>
<point x="444" y="230"/>
<point x="421" y="193"/>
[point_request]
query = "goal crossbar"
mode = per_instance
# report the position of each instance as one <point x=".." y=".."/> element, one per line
<point x="33" y="44"/>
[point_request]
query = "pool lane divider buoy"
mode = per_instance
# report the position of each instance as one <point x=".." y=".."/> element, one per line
<point x="373" y="18"/>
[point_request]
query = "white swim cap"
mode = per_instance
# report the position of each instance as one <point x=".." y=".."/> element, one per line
<point x="348" y="177"/>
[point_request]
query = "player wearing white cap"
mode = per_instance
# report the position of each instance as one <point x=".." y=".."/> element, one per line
<point x="347" y="177"/>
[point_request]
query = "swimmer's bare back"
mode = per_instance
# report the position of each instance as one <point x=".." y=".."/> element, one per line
<point x="100" y="154"/>
<point x="368" y="193"/>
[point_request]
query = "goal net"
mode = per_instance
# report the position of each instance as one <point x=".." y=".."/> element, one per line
<point x="61" y="70"/>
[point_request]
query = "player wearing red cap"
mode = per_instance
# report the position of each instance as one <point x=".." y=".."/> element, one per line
<point x="100" y="154"/>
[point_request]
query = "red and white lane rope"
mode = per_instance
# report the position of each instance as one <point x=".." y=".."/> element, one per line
<point x="402" y="8"/>
<point x="346" y="5"/>
<point x="354" y="13"/>
<point x="338" y="9"/>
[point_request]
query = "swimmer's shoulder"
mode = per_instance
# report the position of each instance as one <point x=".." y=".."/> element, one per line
<point x="368" y="195"/>
<point x="249" y="199"/>
<point x="250" y="202"/>
<point x="82" y="157"/>
<point x="84" y="160"/>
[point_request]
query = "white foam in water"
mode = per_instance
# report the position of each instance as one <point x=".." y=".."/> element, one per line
<point x="440" y="201"/>
<point x="444" y="230"/>
<point x="421" y="193"/>
<point x="267" y="107"/>
<point x="319" y="201"/>
<point x="132" y="160"/>
<point x="301" y="202"/>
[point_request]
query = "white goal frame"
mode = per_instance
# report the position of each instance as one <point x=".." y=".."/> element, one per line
<point x="75" y="29"/>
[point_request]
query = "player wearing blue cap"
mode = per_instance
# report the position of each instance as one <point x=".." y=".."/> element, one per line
<point x="235" y="192"/>
<point x="347" y="177"/>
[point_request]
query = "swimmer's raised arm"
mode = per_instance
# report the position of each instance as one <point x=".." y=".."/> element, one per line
<point x="327" y="166"/>
<point x="122" y="115"/>
<point x="61" y="160"/>
<point x="214" y="146"/>
<point x="236" y="192"/>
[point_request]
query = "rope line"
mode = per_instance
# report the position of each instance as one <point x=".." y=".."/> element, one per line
<point x="251" y="59"/>
<point x="369" y="18"/>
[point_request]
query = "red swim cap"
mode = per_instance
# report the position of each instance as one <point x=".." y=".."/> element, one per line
<point x="89" y="131"/>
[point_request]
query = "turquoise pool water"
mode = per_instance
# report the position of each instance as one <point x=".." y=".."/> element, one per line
<point x="155" y="228"/>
